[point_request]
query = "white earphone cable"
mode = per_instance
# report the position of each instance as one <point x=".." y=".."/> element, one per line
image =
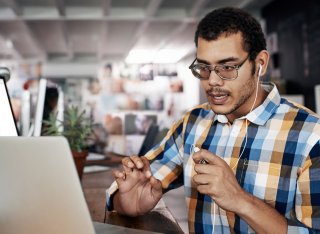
<point x="196" y="149"/>
<point x="246" y="123"/>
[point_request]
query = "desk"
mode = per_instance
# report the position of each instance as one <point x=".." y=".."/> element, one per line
<point x="111" y="159"/>
<point x="103" y="228"/>
<point x="94" y="186"/>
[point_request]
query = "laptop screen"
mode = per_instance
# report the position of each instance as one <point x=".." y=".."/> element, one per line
<point x="7" y="122"/>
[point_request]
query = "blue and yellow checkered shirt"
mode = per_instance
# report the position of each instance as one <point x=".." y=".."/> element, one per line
<point x="280" y="163"/>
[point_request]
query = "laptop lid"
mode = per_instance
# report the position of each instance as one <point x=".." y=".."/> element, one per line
<point x="7" y="122"/>
<point x="40" y="189"/>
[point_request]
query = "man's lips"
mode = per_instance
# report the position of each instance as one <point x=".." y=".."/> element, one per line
<point x="218" y="98"/>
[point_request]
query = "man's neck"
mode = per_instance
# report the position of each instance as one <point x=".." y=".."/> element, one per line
<point x="261" y="96"/>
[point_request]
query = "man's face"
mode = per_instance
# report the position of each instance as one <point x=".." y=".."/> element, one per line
<point x="233" y="98"/>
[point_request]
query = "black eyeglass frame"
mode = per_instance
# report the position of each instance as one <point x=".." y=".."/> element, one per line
<point x="213" y="68"/>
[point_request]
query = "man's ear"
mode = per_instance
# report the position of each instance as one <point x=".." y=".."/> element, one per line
<point x="262" y="59"/>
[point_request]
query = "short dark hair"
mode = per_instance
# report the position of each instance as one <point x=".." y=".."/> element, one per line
<point x="230" y="20"/>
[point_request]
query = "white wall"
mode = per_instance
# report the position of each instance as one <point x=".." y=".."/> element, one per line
<point x="191" y="86"/>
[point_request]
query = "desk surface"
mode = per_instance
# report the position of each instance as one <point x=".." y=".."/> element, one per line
<point x="94" y="186"/>
<point x="102" y="228"/>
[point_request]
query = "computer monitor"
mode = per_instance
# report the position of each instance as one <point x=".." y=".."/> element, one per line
<point x="25" y="113"/>
<point x="8" y="125"/>
<point x="317" y="98"/>
<point x="50" y="100"/>
<point x="60" y="109"/>
<point x="40" y="107"/>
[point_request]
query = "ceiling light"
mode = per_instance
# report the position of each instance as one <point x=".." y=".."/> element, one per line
<point x="151" y="56"/>
<point x="169" y="56"/>
<point x="9" y="44"/>
<point x="140" y="56"/>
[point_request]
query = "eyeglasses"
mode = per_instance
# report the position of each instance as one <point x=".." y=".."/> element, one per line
<point x="225" y="72"/>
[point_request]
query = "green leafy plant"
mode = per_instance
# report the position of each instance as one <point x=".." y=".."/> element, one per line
<point x="77" y="128"/>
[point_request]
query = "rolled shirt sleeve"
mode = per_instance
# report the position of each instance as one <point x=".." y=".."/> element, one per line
<point x="307" y="199"/>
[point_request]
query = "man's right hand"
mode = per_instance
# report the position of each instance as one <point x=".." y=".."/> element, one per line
<point x="139" y="192"/>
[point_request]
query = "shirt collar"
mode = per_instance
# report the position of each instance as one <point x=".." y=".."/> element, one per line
<point x="262" y="113"/>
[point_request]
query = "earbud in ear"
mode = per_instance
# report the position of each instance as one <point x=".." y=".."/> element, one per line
<point x="260" y="70"/>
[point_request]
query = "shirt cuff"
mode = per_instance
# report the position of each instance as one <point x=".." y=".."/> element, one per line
<point x="298" y="228"/>
<point x="109" y="195"/>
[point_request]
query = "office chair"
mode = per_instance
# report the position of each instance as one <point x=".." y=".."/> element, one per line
<point x="153" y="137"/>
<point x="149" y="140"/>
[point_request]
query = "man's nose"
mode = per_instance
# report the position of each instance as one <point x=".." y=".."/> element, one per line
<point x="214" y="79"/>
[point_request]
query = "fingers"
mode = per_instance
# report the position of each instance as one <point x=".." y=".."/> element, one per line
<point x="201" y="156"/>
<point x="146" y="168"/>
<point x="128" y="164"/>
<point x="138" y="163"/>
<point x="156" y="186"/>
<point x="201" y="169"/>
<point x="202" y="179"/>
<point x="206" y="157"/>
<point x="133" y="167"/>
<point x="120" y="176"/>
<point x="133" y="162"/>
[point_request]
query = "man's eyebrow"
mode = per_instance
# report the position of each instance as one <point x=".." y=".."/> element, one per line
<point x="229" y="59"/>
<point x="221" y="61"/>
<point x="202" y="61"/>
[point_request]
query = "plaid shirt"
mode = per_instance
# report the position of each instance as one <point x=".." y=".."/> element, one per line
<point x="280" y="163"/>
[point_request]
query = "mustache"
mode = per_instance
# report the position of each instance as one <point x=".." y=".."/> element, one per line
<point x="217" y="91"/>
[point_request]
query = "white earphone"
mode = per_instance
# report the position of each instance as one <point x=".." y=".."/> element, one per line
<point x="260" y="70"/>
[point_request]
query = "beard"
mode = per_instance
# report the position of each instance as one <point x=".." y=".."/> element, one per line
<point x="246" y="91"/>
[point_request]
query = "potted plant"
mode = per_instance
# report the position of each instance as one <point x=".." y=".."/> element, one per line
<point x="77" y="128"/>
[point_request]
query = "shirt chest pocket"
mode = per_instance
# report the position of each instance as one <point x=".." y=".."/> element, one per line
<point x="265" y="180"/>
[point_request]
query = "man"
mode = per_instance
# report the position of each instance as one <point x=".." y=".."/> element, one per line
<point x="249" y="160"/>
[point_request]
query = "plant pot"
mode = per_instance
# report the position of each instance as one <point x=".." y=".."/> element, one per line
<point x="80" y="160"/>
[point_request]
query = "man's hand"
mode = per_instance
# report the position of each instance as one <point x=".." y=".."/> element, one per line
<point x="139" y="191"/>
<point x="216" y="179"/>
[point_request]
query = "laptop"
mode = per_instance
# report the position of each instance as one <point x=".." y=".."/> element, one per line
<point x="8" y="125"/>
<point x="40" y="190"/>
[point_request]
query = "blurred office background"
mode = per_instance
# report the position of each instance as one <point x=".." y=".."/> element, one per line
<point x="126" y="61"/>
<point x="119" y="57"/>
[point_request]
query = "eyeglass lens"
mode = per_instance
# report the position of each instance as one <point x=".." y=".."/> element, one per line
<point x="225" y="72"/>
